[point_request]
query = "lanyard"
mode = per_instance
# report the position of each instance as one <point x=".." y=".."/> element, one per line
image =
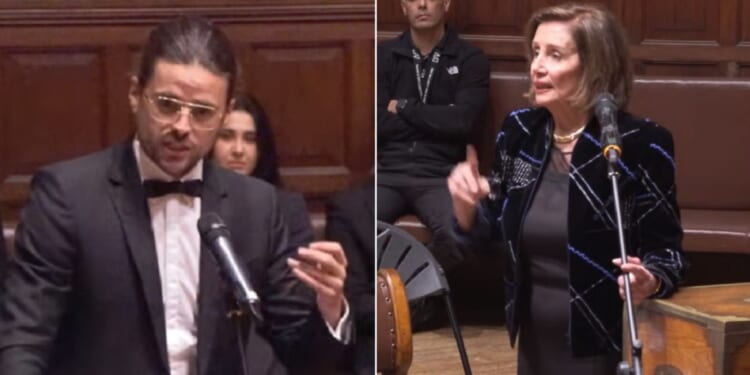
<point x="420" y="74"/>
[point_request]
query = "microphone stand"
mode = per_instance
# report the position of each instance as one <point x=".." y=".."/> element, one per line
<point x="623" y="368"/>
<point x="244" y="311"/>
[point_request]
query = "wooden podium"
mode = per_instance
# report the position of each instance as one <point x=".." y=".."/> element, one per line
<point x="701" y="330"/>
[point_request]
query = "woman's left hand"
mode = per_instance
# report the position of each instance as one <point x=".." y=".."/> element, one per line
<point x="642" y="282"/>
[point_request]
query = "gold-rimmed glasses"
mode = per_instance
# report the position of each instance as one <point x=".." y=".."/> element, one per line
<point x="167" y="110"/>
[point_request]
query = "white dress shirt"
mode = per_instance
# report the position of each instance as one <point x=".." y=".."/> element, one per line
<point x="174" y="219"/>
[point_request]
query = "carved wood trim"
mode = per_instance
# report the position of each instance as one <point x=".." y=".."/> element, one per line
<point x="148" y="16"/>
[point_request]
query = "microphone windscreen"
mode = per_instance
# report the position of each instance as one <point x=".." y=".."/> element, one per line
<point x="604" y="105"/>
<point x="211" y="226"/>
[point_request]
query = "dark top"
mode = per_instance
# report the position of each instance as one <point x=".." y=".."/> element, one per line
<point x="294" y="210"/>
<point x="425" y="140"/>
<point x="543" y="240"/>
<point x="350" y="221"/>
<point x="650" y="214"/>
<point x="544" y="342"/>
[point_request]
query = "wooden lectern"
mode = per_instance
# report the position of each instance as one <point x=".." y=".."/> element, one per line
<point x="701" y="330"/>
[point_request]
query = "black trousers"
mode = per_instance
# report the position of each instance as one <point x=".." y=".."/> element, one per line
<point x="432" y="204"/>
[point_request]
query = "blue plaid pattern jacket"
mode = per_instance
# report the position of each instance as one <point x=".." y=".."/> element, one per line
<point x="651" y="218"/>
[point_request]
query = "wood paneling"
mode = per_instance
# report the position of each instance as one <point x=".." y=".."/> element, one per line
<point x="495" y="17"/>
<point x="688" y="20"/>
<point x="65" y="76"/>
<point x="54" y="108"/>
<point x="118" y="12"/>
<point x="667" y="37"/>
<point x="677" y="68"/>
<point x="298" y="68"/>
<point x="312" y="147"/>
<point x="390" y="16"/>
<point x="743" y="18"/>
<point x="89" y="4"/>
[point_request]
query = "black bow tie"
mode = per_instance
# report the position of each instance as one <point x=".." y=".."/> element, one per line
<point x="158" y="188"/>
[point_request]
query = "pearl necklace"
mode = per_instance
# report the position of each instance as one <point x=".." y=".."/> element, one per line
<point x="569" y="137"/>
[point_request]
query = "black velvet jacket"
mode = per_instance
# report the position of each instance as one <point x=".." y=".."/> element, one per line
<point x="650" y="216"/>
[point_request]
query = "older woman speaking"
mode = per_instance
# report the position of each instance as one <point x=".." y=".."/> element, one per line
<point x="549" y="203"/>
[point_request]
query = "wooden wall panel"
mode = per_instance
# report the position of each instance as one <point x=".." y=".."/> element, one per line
<point x="389" y="15"/>
<point x="688" y="20"/>
<point x="313" y="81"/>
<point x="90" y="4"/>
<point x="297" y="69"/>
<point x="54" y="107"/>
<point x="494" y="17"/>
<point x="667" y="37"/>
<point x="743" y="19"/>
<point x="65" y="73"/>
<point x="672" y="68"/>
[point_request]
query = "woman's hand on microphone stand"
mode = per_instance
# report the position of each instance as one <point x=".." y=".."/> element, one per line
<point x="643" y="283"/>
<point x="467" y="187"/>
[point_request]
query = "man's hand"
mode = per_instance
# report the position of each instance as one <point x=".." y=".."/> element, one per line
<point x="643" y="283"/>
<point x="392" y="106"/>
<point x="322" y="266"/>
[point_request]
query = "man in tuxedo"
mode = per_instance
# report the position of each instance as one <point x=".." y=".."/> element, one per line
<point x="110" y="276"/>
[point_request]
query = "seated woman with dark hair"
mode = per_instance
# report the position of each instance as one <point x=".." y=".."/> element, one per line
<point x="245" y="144"/>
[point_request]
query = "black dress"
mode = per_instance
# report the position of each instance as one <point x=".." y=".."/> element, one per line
<point x="544" y="341"/>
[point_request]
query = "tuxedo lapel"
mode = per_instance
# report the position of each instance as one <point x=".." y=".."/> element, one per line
<point x="211" y="296"/>
<point x="130" y="203"/>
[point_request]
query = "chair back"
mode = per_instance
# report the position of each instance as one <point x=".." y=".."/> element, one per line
<point x="421" y="274"/>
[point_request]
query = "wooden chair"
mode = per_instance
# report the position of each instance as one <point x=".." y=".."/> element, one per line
<point x="394" y="343"/>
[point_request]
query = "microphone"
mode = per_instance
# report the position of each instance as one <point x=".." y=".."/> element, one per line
<point x="605" y="110"/>
<point x="215" y="235"/>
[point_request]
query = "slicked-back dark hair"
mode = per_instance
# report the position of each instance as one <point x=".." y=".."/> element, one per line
<point x="187" y="40"/>
<point x="267" y="167"/>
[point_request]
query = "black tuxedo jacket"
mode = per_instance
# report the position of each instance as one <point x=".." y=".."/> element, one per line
<point x="350" y="220"/>
<point x="84" y="293"/>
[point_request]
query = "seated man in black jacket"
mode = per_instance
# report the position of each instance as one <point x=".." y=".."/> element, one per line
<point x="432" y="89"/>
